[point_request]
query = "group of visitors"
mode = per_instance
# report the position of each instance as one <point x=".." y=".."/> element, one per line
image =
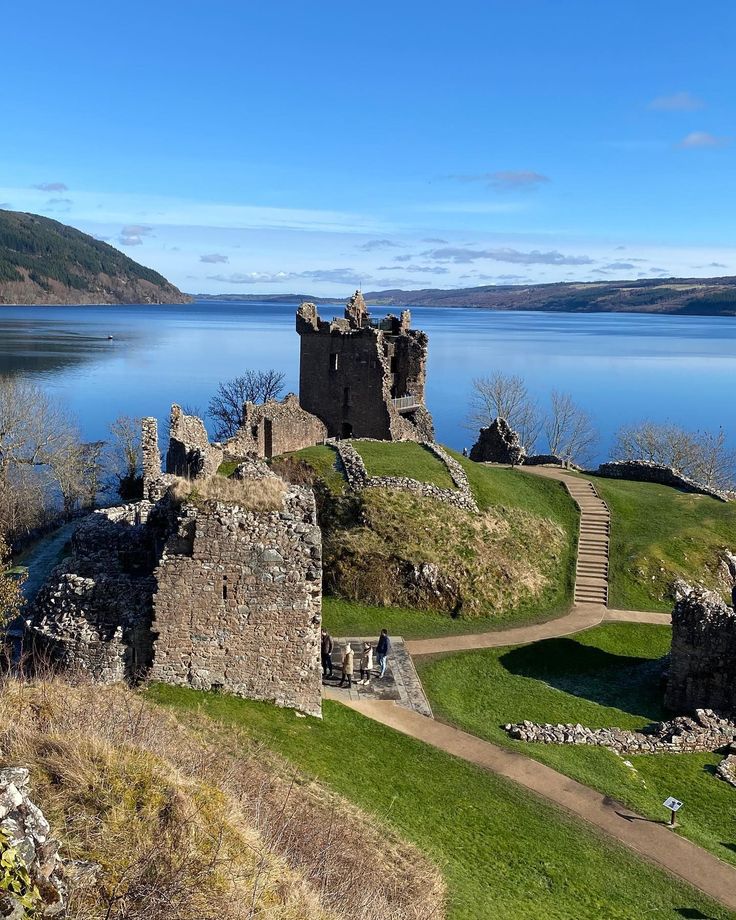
<point x="365" y="662"/>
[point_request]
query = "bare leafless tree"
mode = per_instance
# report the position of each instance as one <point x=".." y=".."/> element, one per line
<point x="569" y="429"/>
<point x="36" y="435"/>
<point x="11" y="597"/>
<point x="125" y="459"/>
<point x="226" y="406"/>
<point x="702" y="455"/>
<point x="505" y="396"/>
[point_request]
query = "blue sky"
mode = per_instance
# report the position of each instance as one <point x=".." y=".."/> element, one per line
<point x="311" y="147"/>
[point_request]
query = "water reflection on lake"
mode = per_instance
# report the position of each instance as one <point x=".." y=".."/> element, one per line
<point x="622" y="368"/>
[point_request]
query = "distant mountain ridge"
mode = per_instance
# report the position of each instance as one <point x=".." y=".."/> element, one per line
<point x="43" y="261"/>
<point x="684" y="296"/>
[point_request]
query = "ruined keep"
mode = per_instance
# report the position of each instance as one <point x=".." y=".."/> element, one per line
<point x="273" y="428"/>
<point x="364" y="378"/>
<point x="209" y="594"/>
<point x="702" y="670"/>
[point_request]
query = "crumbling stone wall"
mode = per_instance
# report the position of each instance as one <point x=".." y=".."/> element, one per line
<point x="29" y="834"/>
<point x="274" y="428"/>
<point x="353" y="369"/>
<point x="644" y="471"/>
<point x="190" y="453"/>
<point x="206" y="595"/>
<point x="94" y="612"/>
<point x="238" y="601"/>
<point x="498" y="443"/>
<point x="358" y="478"/>
<point x="707" y="731"/>
<point x="703" y="657"/>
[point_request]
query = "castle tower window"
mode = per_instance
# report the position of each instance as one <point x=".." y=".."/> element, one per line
<point x="333" y="361"/>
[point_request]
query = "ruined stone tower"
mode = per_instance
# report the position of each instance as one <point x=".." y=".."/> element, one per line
<point x="364" y="378"/>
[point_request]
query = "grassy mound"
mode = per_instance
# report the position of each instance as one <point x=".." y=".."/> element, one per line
<point x="512" y="563"/>
<point x="186" y="824"/>
<point x="505" y="854"/>
<point x="403" y="458"/>
<point x="659" y="534"/>
<point x="605" y="677"/>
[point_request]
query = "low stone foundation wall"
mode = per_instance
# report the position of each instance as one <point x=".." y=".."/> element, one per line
<point x="644" y="471"/>
<point x="707" y="731"/>
<point x="358" y="478"/>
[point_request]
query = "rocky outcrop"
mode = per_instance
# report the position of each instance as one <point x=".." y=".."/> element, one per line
<point x="358" y="478"/>
<point x="726" y="769"/>
<point x="498" y="443"/>
<point x="703" y="657"/>
<point x="707" y="731"/>
<point x="28" y="852"/>
<point x="645" y="471"/>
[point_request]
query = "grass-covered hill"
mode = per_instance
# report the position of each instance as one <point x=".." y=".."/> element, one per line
<point x="687" y="296"/>
<point x="45" y="262"/>
<point x="659" y="534"/>
<point x="455" y="569"/>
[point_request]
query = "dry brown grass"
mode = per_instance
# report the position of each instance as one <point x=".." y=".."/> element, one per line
<point x="265" y="494"/>
<point x="185" y="826"/>
<point x="497" y="560"/>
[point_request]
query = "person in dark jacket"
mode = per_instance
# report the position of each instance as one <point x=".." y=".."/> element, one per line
<point x="383" y="647"/>
<point x="733" y="597"/>
<point x="327" y="646"/>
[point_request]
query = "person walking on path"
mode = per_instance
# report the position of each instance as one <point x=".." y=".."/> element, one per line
<point x="347" y="666"/>
<point x="366" y="664"/>
<point x="382" y="650"/>
<point x="327" y="646"/>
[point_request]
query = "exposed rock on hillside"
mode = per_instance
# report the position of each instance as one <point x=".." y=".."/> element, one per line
<point x="498" y="443"/>
<point x="45" y="262"/>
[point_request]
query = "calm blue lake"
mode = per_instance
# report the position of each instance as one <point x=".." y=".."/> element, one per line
<point x="622" y="368"/>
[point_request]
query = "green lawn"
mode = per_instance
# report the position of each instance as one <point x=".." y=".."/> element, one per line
<point x="607" y="676"/>
<point x="323" y="460"/>
<point x="658" y="534"/>
<point x="504" y="853"/>
<point x="403" y="458"/>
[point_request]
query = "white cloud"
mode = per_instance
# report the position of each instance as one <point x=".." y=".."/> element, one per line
<point x="52" y="187"/>
<point x="132" y="234"/>
<point x="460" y="255"/>
<point x="703" y="139"/>
<point x="330" y="275"/>
<point x="677" y="102"/>
<point x="214" y="257"/>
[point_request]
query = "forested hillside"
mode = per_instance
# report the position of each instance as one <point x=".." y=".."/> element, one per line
<point x="45" y="262"/>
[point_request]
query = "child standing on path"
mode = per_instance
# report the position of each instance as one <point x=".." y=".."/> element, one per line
<point x="366" y="664"/>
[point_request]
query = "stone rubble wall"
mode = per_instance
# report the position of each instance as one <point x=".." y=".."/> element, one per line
<point x="239" y="607"/>
<point x="358" y="478"/>
<point x="498" y="443"/>
<point x="726" y="769"/>
<point x="190" y="453"/>
<point x="93" y="613"/>
<point x="703" y="657"/>
<point x="205" y="595"/>
<point x="707" y="731"/>
<point x="29" y="834"/>
<point x="292" y="428"/>
<point x="645" y="471"/>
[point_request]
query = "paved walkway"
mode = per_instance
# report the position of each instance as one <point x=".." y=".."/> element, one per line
<point x="650" y="839"/>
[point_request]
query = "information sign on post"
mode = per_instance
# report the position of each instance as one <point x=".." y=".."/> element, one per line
<point x="674" y="806"/>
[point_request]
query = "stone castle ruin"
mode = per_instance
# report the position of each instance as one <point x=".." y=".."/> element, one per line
<point x="702" y="672"/>
<point x="206" y="584"/>
<point x="199" y="592"/>
<point x="364" y="378"/>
